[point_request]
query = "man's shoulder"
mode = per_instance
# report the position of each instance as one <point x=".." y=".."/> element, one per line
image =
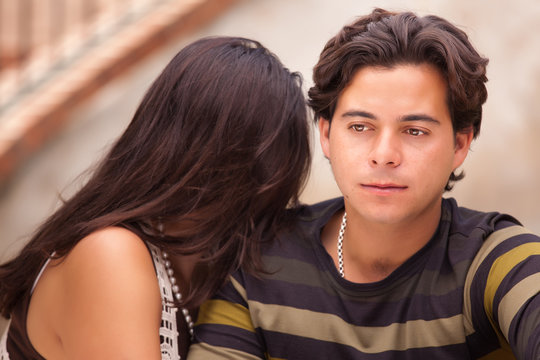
<point x="301" y="240"/>
<point x="466" y="222"/>
<point x="310" y="219"/>
<point x="320" y="211"/>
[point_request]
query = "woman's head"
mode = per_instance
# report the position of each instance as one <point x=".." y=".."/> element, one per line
<point x="218" y="148"/>
<point x="224" y="122"/>
<point x="221" y="133"/>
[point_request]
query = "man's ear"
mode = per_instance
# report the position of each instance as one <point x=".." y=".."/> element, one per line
<point x="462" y="144"/>
<point x="324" y="136"/>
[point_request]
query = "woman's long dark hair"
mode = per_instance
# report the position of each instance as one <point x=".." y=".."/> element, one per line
<point x="219" y="146"/>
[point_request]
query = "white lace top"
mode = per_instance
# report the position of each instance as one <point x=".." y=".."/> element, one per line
<point x="168" y="331"/>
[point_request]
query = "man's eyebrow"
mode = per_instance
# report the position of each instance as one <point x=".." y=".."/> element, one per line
<point x="411" y="117"/>
<point x="359" y="113"/>
<point x="420" y="117"/>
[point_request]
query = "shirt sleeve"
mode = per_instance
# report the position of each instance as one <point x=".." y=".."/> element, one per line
<point x="224" y="328"/>
<point x="504" y="291"/>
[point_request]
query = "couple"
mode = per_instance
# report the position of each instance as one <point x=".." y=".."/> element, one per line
<point x="205" y="182"/>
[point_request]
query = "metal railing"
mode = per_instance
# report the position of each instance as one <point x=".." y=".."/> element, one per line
<point x="39" y="38"/>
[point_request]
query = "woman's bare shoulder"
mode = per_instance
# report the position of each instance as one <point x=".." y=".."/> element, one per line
<point x="111" y="246"/>
<point x="106" y="295"/>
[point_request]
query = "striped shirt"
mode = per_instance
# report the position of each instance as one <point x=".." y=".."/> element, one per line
<point x="470" y="293"/>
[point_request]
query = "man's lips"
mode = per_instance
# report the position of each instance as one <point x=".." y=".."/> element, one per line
<point x="384" y="187"/>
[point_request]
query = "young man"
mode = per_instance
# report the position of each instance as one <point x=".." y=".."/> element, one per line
<point x="391" y="270"/>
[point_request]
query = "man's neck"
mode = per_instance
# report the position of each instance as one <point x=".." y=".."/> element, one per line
<point x="373" y="251"/>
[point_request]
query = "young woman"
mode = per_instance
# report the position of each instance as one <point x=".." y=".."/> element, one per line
<point x="210" y="167"/>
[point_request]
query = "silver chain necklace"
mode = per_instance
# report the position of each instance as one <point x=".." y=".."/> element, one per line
<point x="340" y="244"/>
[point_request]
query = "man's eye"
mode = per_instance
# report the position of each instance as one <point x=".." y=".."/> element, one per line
<point x="359" y="127"/>
<point x="415" y="132"/>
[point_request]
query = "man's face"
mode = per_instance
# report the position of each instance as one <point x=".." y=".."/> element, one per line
<point x="391" y="144"/>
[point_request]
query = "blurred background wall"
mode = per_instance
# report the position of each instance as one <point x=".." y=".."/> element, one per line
<point x="502" y="170"/>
